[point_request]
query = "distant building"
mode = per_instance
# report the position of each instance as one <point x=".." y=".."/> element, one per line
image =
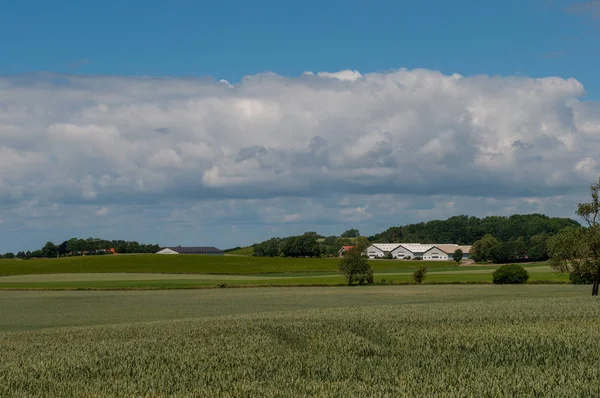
<point x="344" y="249"/>
<point x="432" y="252"/>
<point x="192" y="250"/>
<point x="445" y="252"/>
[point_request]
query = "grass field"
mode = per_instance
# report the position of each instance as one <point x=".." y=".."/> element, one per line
<point x="443" y="341"/>
<point x="184" y="272"/>
<point x="244" y="251"/>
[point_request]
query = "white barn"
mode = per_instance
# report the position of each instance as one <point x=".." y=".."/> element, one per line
<point x="439" y="252"/>
<point x="380" y="249"/>
<point x="445" y="252"/>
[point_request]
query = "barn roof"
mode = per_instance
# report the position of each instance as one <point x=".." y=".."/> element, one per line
<point x="195" y="250"/>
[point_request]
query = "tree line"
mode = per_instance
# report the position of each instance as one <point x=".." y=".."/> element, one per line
<point x="496" y="238"/>
<point x="89" y="246"/>
<point x="309" y="244"/>
<point x="490" y="248"/>
<point x="465" y="230"/>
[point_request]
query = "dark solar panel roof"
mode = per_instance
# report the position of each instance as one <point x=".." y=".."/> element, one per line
<point x="196" y="250"/>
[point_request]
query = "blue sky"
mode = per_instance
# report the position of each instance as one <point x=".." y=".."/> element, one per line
<point x="230" y="39"/>
<point x="372" y="116"/>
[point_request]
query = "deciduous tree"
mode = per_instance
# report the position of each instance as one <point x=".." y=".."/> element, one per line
<point x="458" y="255"/>
<point x="577" y="250"/>
<point x="355" y="268"/>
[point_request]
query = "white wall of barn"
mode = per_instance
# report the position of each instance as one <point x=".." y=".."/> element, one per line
<point x="373" y="252"/>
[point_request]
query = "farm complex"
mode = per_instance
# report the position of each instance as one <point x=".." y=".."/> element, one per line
<point x="407" y="251"/>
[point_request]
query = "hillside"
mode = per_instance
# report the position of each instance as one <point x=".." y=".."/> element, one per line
<point x="465" y="230"/>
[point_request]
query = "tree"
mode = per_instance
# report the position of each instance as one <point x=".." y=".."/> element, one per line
<point x="538" y="247"/>
<point x="419" y="274"/>
<point x="49" y="250"/>
<point x="355" y="268"/>
<point x="457" y="256"/>
<point x="351" y="233"/>
<point x="482" y="249"/>
<point x="361" y="243"/>
<point x="577" y="250"/>
<point x="9" y="255"/>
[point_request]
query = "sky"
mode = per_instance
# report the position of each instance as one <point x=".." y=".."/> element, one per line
<point x="226" y="123"/>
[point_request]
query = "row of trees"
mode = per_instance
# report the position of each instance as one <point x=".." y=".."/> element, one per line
<point x="309" y="244"/>
<point x="490" y="248"/>
<point x="465" y="230"/>
<point x="89" y="246"/>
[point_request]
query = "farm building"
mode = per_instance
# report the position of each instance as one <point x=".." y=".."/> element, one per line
<point x="191" y="250"/>
<point x="445" y="252"/>
<point x="437" y="252"/>
<point x="344" y="249"/>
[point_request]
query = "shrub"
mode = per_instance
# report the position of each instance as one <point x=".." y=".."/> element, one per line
<point x="579" y="277"/>
<point x="419" y="274"/>
<point x="418" y="258"/>
<point x="510" y="274"/>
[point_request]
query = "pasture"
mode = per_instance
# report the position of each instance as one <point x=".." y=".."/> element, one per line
<point x="185" y="272"/>
<point x="442" y="341"/>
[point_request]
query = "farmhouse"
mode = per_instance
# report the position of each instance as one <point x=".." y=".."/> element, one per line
<point x="432" y="252"/>
<point x="344" y="249"/>
<point x="191" y="250"/>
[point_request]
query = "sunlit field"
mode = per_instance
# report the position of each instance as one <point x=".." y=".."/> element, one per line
<point x="443" y="341"/>
<point x="184" y="272"/>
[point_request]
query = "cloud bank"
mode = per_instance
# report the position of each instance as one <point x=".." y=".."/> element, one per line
<point x="171" y="143"/>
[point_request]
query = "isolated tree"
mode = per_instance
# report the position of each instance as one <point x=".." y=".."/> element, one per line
<point x="419" y="274"/>
<point x="355" y="268"/>
<point x="457" y="256"/>
<point x="577" y="250"/>
<point x="351" y="233"/>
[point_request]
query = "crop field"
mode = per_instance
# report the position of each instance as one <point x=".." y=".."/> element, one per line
<point x="443" y="341"/>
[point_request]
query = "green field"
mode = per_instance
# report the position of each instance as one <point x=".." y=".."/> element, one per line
<point x="244" y="251"/>
<point x="185" y="272"/>
<point x="443" y="341"/>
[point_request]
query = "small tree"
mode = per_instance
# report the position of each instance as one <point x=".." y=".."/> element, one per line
<point x="355" y="268"/>
<point x="457" y="256"/>
<point x="419" y="274"/>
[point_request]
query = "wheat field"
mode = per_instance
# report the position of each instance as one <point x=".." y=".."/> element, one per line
<point x="452" y="341"/>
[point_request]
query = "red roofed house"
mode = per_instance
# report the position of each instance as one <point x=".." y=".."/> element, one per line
<point x="344" y="249"/>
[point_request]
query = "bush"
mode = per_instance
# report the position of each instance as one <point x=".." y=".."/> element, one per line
<point x="419" y="274"/>
<point x="579" y="277"/>
<point x="510" y="274"/>
<point x="418" y="258"/>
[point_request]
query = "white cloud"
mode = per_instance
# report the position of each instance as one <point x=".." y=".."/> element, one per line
<point x="346" y="75"/>
<point x="103" y="211"/>
<point x="113" y="141"/>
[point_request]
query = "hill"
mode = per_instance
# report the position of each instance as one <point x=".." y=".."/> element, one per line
<point x="465" y="230"/>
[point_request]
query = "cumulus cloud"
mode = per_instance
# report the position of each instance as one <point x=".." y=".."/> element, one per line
<point x="116" y="141"/>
